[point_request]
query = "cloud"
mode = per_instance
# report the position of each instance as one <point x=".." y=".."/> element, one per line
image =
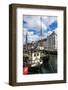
<point x="30" y="33"/>
<point x="49" y="33"/>
<point x="25" y="31"/>
<point x="47" y="20"/>
<point x="32" y="22"/>
<point x="33" y="38"/>
<point x="37" y="22"/>
<point x="56" y="31"/>
<point x="45" y="35"/>
<point x="30" y="36"/>
<point x="33" y="25"/>
<point x="44" y="27"/>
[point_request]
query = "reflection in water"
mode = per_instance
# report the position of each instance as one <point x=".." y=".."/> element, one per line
<point x="49" y="66"/>
<point x="53" y="62"/>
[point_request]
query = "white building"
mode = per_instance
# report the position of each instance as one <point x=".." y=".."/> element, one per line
<point x="51" y="42"/>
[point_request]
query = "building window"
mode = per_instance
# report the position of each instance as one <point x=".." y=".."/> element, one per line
<point x="35" y="54"/>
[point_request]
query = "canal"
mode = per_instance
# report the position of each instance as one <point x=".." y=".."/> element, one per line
<point x="49" y="66"/>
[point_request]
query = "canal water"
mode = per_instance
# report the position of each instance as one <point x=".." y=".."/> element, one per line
<point x="49" y="66"/>
<point x="53" y="63"/>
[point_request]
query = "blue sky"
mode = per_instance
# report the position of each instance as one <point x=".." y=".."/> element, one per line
<point x="33" y="24"/>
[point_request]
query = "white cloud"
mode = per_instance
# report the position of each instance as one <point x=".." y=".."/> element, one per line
<point x="49" y="32"/>
<point x="30" y="36"/>
<point x="47" y="20"/>
<point x="34" y="22"/>
<point x="33" y="38"/>
<point x="25" y="31"/>
<point x="30" y="33"/>
<point x="45" y="35"/>
<point x="56" y="31"/>
<point x="43" y="26"/>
